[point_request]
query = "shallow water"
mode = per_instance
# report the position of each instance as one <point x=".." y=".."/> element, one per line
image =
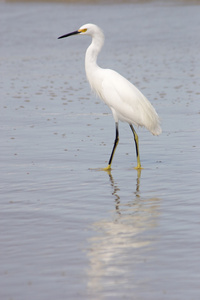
<point x="69" y="231"/>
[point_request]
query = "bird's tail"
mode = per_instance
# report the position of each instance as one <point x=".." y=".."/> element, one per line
<point x="156" y="130"/>
<point x="151" y="119"/>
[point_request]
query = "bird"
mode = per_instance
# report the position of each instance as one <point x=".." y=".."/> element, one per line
<point x="125" y="100"/>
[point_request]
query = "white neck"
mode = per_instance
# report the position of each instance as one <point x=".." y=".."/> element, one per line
<point x="91" y="55"/>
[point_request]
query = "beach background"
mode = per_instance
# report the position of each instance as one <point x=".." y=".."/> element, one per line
<point x="68" y="230"/>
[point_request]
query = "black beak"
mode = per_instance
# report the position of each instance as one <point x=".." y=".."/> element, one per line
<point x="68" y="34"/>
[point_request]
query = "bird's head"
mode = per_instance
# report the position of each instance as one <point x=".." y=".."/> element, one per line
<point x="87" y="29"/>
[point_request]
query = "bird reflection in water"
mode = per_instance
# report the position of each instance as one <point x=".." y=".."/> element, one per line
<point x="116" y="189"/>
<point x="122" y="241"/>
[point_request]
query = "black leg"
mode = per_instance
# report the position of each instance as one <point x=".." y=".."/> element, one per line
<point x="114" y="147"/>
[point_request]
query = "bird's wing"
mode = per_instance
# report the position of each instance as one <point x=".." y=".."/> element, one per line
<point x="122" y="96"/>
<point x="129" y="104"/>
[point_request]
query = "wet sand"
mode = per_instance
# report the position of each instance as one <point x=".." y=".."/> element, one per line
<point x="69" y="231"/>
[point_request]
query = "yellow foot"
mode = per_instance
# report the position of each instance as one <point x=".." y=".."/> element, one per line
<point x="108" y="168"/>
<point x="138" y="168"/>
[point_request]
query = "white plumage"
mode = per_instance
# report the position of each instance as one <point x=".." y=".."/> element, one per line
<point x="126" y="102"/>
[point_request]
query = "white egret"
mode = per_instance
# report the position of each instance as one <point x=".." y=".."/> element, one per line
<point x="126" y="102"/>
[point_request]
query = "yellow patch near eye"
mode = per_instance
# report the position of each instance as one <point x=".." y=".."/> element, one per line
<point x="82" y="30"/>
